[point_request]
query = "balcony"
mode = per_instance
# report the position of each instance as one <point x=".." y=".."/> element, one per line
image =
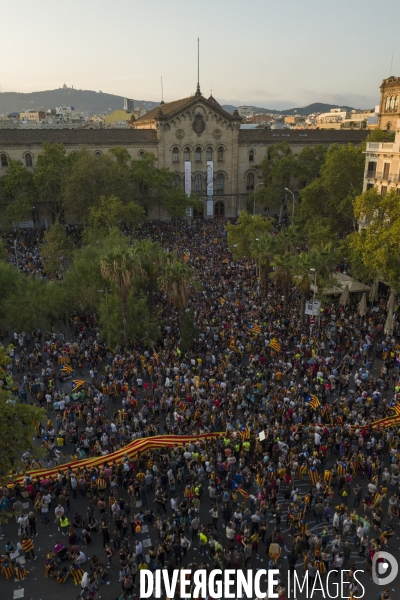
<point x="370" y="174"/>
<point x="393" y="178"/>
<point x="381" y="147"/>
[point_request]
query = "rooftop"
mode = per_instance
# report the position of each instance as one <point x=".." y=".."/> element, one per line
<point x="77" y="136"/>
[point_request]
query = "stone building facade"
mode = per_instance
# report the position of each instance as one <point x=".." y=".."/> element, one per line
<point x="389" y="105"/>
<point x="382" y="164"/>
<point x="201" y="143"/>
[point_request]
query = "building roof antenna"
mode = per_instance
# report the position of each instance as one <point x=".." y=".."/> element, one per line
<point x="198" y="92"/>
<point x="391" y="64"/>
<point x="162" y="91"/>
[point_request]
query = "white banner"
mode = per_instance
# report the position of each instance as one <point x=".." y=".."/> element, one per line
<point x="188" y="177"/>
<point x="210" y="179"/>
<point x="210" y="208"/>
<point x="312" y="310"/>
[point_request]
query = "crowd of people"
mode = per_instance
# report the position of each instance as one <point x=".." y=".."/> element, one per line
<point x="315" y="487"/>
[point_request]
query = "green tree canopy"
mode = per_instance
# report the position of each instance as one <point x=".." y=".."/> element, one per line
<point x="241" y="236"/>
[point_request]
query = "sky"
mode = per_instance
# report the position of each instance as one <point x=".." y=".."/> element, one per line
<point x="270" y="54"/>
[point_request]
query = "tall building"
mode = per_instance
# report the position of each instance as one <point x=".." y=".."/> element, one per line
<point x="382" y="164"/>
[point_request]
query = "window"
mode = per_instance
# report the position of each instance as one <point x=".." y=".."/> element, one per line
<point x="209" y="153"/>
<point x="186" y="154"/>
<point x="198" y="183"/>
<point x="97" y="154"/>
<point x="4" y="160"/>
<point x="175" y="155"/>
<point x="28" y="159"/>
<point x="141" y="154"/>
<point x="220" y="154"/>
<point x="250" y="181"/>
<point x="176" y="180"/>
<point x="370" y="186"/>
<point x="383" y="190"/>
<point x="371" y="169"/>
<point x="251" y="156"/>
<point x="219" y="183"/>
<point x="197" y="154"/>
<point x="386" y="168"/>
<point x="388" y="126"/>
<point x="219" y="209"/>
<point x="398" y="191"/>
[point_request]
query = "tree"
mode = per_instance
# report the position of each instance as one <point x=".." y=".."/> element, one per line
<point x="17" y="190"/>
<point x="177" y="279"/>
<point x="241" y="236"/>
<point x="283" y="265"/>
<point x="95" y="176"/>
<point x="302" y="266"/>
<point x="119" y="267"/>
<point x="308" y="164"/>
<point x="18" y="426"/>
<point x="149" y="183"/>
<point x="276" y="170"/>
<point x="379" y="135"/>
<point x="149" y="260"/>
<point x="140" y="322"/>
<point x="109" y="212"/>
<point x="57" y="249"/>
<point x="189" y="330"/>
<point x="378" y="244"/>
<point x="262" y="251"/>
<point x="53" y="167"/>
<point x="329" y="199"/>
<point x="176" y="202"/>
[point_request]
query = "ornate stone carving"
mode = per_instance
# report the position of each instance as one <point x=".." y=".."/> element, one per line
<point x="199" y="124"/>
<point x="217" y="134"/>
<point x="180" y="134"/>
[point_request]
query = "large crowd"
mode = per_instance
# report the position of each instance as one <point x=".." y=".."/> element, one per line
<point x="277" y="465"/>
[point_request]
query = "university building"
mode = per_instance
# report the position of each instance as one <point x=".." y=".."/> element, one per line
<point x="202" y="144"/>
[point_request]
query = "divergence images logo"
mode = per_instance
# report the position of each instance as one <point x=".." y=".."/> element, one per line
<point x="379" y="569"/>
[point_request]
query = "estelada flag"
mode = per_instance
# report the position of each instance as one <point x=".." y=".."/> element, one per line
<point x="186" y="256"/>
<point x="222" y="301"/>
<point x="275" y="345"/>
<point x="313" y="473"/>
<point x="254" y="328"/>
<point x="67" y="368"/>
<point x="77" y="383"/>
<point x="328" y="476"/>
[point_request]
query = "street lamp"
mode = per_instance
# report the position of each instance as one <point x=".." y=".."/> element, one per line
<point x="290" y="192"/>
<point x="16" y="256"/>
<point x="108" y="326"/>
<point x="254" y="206"/>
<point x="315" y="287"/>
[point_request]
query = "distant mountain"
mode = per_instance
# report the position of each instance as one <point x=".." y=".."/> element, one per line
<point x="81" y="100"/>
<point x="99" y="102"/>
<point x="317" y="107"/>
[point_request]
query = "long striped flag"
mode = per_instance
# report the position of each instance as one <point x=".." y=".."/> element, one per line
<point x="67" y="368"/>
<point x="328" y="476"/>
<point x="186" y="256"/>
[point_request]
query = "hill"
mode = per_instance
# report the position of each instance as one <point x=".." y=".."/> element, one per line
<point x="99" y="102"/>
<point x="316" y="107"/>
<point x="81" y="100"/>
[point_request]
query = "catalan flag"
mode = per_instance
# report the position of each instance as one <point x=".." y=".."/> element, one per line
<point x="328" y="476"/>
<point x="312" y="401"/>
<point x="232" y="342"/>
<point x="186" y="256"/>
<point x="313" y="473"/>
<point x="238" y="488"/>
<point x="395" y="406"/>
<point x="156" y="356"/>
<point x="77" y="383"/>
<point x="237" y="302"/>
<point x="254" y="328"/>
<point x="225" y="261"/>
<point x="222" y="301"/>
<point x="67" y="368"/>
<point x="271" y="473"/>
<point x="275" y="345"/>
<point x="302" y="471"/>
<point x="245" y="433"/>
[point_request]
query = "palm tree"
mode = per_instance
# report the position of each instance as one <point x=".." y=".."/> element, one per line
<point x="149" y="258"/>
<point x="119" y="267"/>
<point x="283" y="273"/>
<point x="289" y="238"/>
<point x="262" y="250"/>
<point x="176" y="280"/>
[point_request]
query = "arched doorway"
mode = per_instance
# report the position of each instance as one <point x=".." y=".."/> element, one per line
<point x="219" y="209"/>
<point x="198" y="213"/>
